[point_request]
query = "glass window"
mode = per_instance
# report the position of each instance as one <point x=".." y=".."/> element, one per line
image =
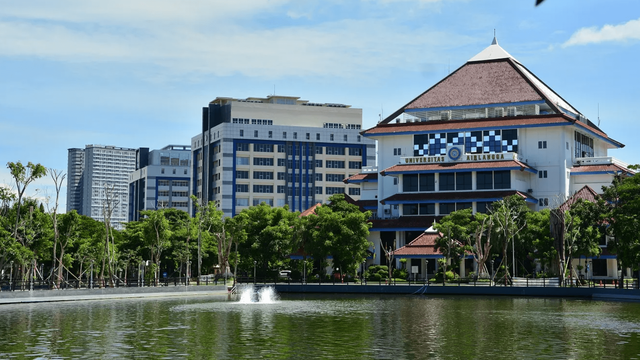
<point x="318" y="150"/>
<point x="242" y="202"/>
<point x="409" y="182"/>
<point x="463" y="181"/>
<point x="308" y="136"/>
<point x="463" y="205"/>
<point x="242" y="174"/>
<point x="427" y="209"/>
<point x="447" y="208"/>
<point x="295" y="135"/>
<point x="447" y="181"/>
<point x="355" y="151"/>
<point x="482" y="207"/>
<point x="484" y="180"/>
<point x="242" y="147"/>
<point x="242" y="135"/>
<point x="427" y="182"/>
<point x="255" y="133"/>
<point x="242" y="161"/>
<point x="354" y="191"/>
<point x="317" y="136"/>
<point x="331" y="137"/>
<point x="242" y="188"/>
<point x="410" y="209"/>
<point x="502" y="179"/>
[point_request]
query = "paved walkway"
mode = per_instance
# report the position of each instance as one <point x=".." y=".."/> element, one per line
<point x="36" y="296"/>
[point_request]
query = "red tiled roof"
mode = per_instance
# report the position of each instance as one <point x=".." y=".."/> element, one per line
<point x="361" y="177"/>
<point x="455" y="125"/>
<point x="585" y="193"/>
<point x="453" y="196"/>
<point x="478" y="84"/>
<point x="456" y="166"/>
<point x="609" y="168"/>
<point x="309" y="211"/>
<point x="422" y="245"/>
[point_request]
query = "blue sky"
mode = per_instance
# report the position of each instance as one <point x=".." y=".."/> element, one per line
<point x="136" y="73"/>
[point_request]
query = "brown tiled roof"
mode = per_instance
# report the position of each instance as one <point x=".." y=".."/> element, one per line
<point x="585" y="193"/>
<point x="609" y="168"/>
<point x="415" y="222"/>
<point x="361" y="177"/>
<point x="454" y="196"/>
<point x="454" y="125"/>
<point x="422" y="245"/>
<point x="478" y="84"/>
<point x="311" y="210"/>
<point x="457" y="166"/>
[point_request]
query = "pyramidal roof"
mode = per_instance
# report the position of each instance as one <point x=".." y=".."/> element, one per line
<point x="491" y="77"/>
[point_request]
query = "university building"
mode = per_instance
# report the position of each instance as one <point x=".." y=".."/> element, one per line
<point x="279" y="150"/>
<point x="161" y="180"/>
<point x="98" y="181"/>
<point x="488" y="130"/>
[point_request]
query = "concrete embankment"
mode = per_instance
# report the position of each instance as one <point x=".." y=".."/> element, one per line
<point x="16" y="297"/>
<point x="563" y="292"/>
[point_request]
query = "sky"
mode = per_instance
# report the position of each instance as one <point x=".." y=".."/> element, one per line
<point x="136" y="73"/>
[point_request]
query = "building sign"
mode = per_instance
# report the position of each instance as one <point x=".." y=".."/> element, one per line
<point x="456" y="154"/>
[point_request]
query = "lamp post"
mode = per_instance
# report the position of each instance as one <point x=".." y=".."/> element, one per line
<point x="492" y="272"/>
<point x="188" y="272"/>
<point x="304" y="271"/>
<point x="11" y="278"/>
<point x="91" y="283"/>
<point x="254" y="271"/>
<point x="426" y="270"/>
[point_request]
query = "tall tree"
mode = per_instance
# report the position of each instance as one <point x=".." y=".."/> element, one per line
<point x="454" y="235"/>
<point x="23" y="176"/>
<point x="509" y="219"/>
<point x="157" y="235"/>
<point x="58" y="179"/>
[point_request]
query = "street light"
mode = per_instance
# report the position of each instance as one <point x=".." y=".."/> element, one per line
<point x="304" y="271"/>
<point x="492" y="278"/>
<point x="188" y="272"/>
<point x="11" y="277"/>
<point x="254" y="271"/>
<point x="91" y="283"/>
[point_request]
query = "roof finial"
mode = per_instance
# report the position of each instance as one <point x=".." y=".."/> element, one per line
<point x="495" y="40"/>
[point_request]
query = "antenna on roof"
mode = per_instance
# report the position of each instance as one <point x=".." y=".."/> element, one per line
<point x="495" y="40"/>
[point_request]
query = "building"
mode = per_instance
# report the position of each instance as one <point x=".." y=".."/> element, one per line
<point x="161" y="180"/>
<point x="102" y="184"/>
<point x="279" y="150"/>
<point x="488" y="130"/>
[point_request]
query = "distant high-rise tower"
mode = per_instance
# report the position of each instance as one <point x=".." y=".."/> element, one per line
<point x="102" y="184"/>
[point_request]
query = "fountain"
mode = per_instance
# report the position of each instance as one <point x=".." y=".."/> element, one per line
<point x="261" y="295"/>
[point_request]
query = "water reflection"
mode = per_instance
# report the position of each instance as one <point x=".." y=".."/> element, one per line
<point x="342" y="327"/>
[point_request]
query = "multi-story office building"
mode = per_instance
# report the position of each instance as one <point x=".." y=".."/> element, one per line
<point x="279" y="150"/>
<point x="161" y="180"/>
<point x="488" y="130"/>
<point x="105" y="185"/>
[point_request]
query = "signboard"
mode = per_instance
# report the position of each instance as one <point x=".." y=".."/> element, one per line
<point x="456" y="154"/>
<point x="414" y="269"/>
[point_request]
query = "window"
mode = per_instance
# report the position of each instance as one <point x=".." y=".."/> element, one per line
<point x="335" y="164"/>
<point x="242" y="202"/>
<point x="447" y="182"/>
<point x="263" y="188"/>
<point x="447" y="208"/>
<point x="263" y="161"/>
<point x="346" y="137"/>
<point x="263" y="147"/>
<point x="427" y="182"/>
<point x="179" y="193"/>
<point x="502" y="179"/>
<point x="284" y="134"/>
<point x="354" y="191"/>
<point x="359" y="139"/>
<point x="263" y="175"/>
<point x="242" y="147"/>
<point x="282" y="162"/>
<point x="409" y="182"/>
<point x="427" y="209"/>
<point x="282" y="175"/>
<point x="257" y="202"/>
<point x="484" y="180"/>
<point x="333" y="150"/>
<point x="295" y="135"/>
<point x="318" y="136"/>
<point x="410" y="209"/>
<point x="241" y="133"/>
<point x="334" y="177"/>
<point x="280" y="202"/>
<point x="270" y="134"/>
<point x="543" y="201"/>
<point x="174" y="171"/>
<point x="319" y="150"/>
<point x="318" y="190"/>
<point x="318" y="177"/>
<point x="463" y="205"/>
<point x="542" y="144"/>
<point x="280" y="189"/>
<point x="242" y="161"/>
<point x="242" y="188"/>
<point x="318" y="163"/>
<point x="355" y="151"/>
<point x="482" y="207"/>
<point x="162" y="171"/>
<point x="397" y="151"/>
<point x="355" y="164"/>
<point x="308" y="136"/>
<point x="255" y="133"/>
<point x="185" y="171"/>
<point x="334" y="190"/>
<point x="463" y="181"/>
<point x="242" y="174"/>
<point x="331" y="137"/>
<point x="163" y="193"/>
<point x="395" y="181"/>
<point x="281" y="148"/>
<point x="599" y="267"/>
<point x="542" y="174"/>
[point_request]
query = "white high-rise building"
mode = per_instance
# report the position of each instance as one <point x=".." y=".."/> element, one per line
<point x="105" y="181"/>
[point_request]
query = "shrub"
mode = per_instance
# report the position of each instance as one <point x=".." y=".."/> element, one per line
<point x="400" y="274"/>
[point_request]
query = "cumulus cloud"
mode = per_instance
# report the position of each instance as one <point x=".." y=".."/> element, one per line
<point x="623" y="32"/>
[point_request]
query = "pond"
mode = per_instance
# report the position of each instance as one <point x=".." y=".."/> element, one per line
<point x="322" y="326"/>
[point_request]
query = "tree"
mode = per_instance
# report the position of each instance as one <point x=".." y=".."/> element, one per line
<point x="454" y="233"/>
<point x="536" y="238"/>
<point x="623" y="201"/>
<point x="23" y="176"/>
<point x="509" y="219"/>
<point x="157" y="235"/>
<point x="58" y="179"/>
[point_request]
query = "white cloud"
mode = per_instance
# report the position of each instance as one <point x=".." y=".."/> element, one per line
<point x="623" y="32"/>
